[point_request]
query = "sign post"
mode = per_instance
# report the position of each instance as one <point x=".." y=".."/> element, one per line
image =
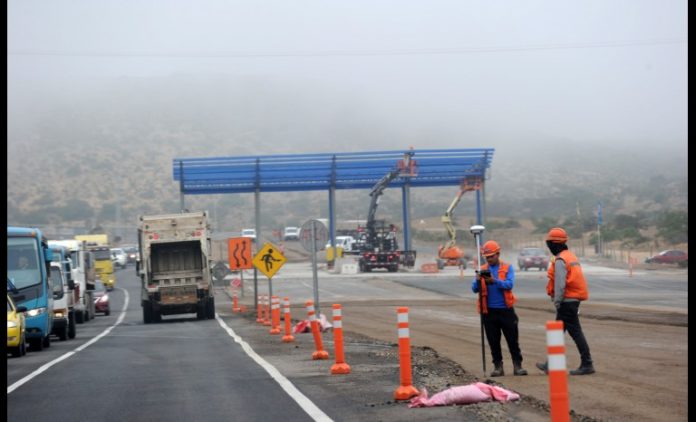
<point x="313" y="236"/>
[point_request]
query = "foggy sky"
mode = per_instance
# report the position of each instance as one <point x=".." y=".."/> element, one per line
<point x="504" y="73"/>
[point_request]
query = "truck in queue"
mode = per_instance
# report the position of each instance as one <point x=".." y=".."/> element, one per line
<point x="28" y="268"/>
<point x="98" y="244"/>
<point x="83" y="274"/>
<point x="63" y="304"/>
<point x="63" y="293"/>
<point x="175" y="265"/>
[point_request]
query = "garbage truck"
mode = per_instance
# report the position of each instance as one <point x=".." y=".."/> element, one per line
<point x="175" y="265"/>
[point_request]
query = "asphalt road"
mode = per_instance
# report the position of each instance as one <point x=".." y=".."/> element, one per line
<point x="180" y="369"/>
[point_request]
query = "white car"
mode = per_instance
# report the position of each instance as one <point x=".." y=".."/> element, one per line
<point x="119" y="257"/>
<point x="345" y="242"/>
<point x="291" y="233"/>
<point x="249" y="233"/>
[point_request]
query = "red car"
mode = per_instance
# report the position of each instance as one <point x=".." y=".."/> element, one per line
<point x="670" y="256"/>
<point x="532" y="257"/>
<point x="101" y="299"/>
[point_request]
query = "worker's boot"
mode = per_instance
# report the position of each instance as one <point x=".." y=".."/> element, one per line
<point x="498" y="371"/>
<point x="584" y="369"/>
<point x="517" y="369"/>
<point x="543" y="366"/>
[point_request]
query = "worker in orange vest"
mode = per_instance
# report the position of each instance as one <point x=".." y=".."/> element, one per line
<point x="567" y="287"/>
<point x="497" y="279"/>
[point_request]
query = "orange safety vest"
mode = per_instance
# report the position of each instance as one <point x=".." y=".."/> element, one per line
<point x="576" y="285"/>
<point x="502" y="275"/>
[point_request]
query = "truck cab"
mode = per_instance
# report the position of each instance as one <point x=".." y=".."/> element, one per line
<point x="28" y="268"/>
<point x="63" y="303"/>
<point x="103" y="265"/>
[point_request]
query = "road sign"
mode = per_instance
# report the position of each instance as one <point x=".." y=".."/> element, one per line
<point x="239" y="253"/>
<point x="269" y="259"/>
<point x="220" y="271"/>
<point x="236" y="283"/>
<point x="321" y="235"/>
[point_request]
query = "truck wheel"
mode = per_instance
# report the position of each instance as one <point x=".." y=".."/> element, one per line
<point x="156" y="316"/>
<point x="72" y="331"/>
<point x="63" y="333"/>
<point x="211" y="308"/>
<point x="200" y="309"/>
<point x="47" y="342"/>
<point x="80" y="317"/>
<point x="36" y="344"/>
<point x="147" y="313"/>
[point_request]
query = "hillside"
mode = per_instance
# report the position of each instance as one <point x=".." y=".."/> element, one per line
<point x="106" y="158"/>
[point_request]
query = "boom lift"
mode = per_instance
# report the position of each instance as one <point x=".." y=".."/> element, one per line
<point x="377" y="244"/>
<point x="449" y="254"/>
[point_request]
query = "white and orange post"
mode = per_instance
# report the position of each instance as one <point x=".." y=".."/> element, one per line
<point x="275" y="315"/>
<point x="259" y="309"/>
<point x="558" y="377"/>
<point x="340" y="367"/>
<point x="266" y="311"/>
<point x="235" y="301"/>
<point x="406" y="390"/>
<point x="320" y="353"/>
<point x="288" y="337"/>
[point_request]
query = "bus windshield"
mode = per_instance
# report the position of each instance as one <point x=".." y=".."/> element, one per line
<point x="23" y="261"/>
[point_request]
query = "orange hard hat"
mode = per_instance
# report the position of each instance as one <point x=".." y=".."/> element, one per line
<point x="490" y="248"/>
<point x="557" y="235"/>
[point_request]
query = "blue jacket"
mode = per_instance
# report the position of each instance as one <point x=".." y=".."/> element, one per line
<point x="496" y="300"/>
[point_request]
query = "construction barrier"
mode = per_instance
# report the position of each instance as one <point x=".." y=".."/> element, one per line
<point x="320" y="353"/>
<point x="430" y="267"/>
<point x="259" y="309"/>
<point x="406" y="390"/>
<point x="288" y="337"/>
<point x="349" y="269"/>
<point x="275" y="315"/>
<point x="558" y="378"/>
<point x="340" y="367"/>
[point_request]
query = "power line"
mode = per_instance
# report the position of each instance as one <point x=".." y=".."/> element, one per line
<point x="348" y="53"/>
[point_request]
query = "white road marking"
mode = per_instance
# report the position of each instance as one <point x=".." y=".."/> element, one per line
<point x="305" y="403"/>
<point x="44" y="367"/>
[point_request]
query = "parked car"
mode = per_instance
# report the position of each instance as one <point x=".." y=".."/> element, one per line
<point x="532" y="257"/>
<point x="131" y="254"/>
<point x="249" y="233"/>
<point x="670" y="256"/>
<point x="16" y="341"/>
<point x="101" y="299"/>
<point x="291" y="233"/>
<point x="119" y="257"/>
<point x="345" y="242"/>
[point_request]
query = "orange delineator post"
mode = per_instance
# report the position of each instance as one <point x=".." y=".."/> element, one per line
<point x="320" y="353"/>
<point x="235" y="302"/>
<point x="259" y="309"/>
<point x="558" y="377"/>
<point x="275" y="310"/>
<point x="406" y="390"/>
<point x="288" y="337"/>
<point x="340" y="367"/>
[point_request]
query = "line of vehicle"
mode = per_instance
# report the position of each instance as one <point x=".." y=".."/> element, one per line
<point x="45" y="367"/>
<point x="303" y="401"/>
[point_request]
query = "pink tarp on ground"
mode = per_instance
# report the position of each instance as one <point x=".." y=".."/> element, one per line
<point x="464" y="394"/>
<point x="305" y="327"/>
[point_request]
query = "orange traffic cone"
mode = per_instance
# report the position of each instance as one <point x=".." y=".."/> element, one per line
<point x="320" y="353"/>
<point x="288" y="337"/>
<point x="406" y="390"/>
<point x="340" y="367"/>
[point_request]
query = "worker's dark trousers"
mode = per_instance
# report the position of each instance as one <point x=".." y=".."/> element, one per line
<point x="568" y="313"/>
<point x="504" y="320"/>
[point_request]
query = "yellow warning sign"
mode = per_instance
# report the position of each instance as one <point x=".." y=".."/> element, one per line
<point x="269" y="259"/>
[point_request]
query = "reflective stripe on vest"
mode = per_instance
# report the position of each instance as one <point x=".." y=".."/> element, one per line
<point x="576" y="285"/>
<point x="510" y="298"/>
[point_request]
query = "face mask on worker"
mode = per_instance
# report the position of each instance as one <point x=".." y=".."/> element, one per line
<point x="556" y="248"/>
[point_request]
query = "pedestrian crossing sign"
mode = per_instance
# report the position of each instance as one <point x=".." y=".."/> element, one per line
<point x="269" y="259"/>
